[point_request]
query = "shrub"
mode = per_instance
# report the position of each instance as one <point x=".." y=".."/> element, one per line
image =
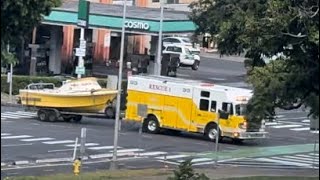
<point x="186" y="172"/>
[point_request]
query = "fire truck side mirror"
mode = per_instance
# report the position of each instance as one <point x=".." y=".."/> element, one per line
<point x="223" y="114"/>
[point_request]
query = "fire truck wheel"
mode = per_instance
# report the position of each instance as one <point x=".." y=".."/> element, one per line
<point x="152" y="125"/>
<point x="211" y="132"/>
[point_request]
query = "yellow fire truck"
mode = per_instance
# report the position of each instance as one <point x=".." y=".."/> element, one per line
<point x="190" y="106"/>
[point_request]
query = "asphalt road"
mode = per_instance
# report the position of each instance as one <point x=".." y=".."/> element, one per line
<point x="35" y="148"/>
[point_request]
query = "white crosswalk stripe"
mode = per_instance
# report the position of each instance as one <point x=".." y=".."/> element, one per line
<point x="17" y="115"/>
<point x="302" y="160"/>
<point x="37" y="139"/>
<point x="300" y="129"/>
<point x="16" y="137"/>
<point x="5" y="134"/>
<point x="102" y="148"/>
<point x="286" y="126"/>
<point x="86" y="144"/>
<point x="59" y="142"/>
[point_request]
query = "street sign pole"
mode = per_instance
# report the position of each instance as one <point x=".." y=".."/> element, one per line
<point x="158" y="69"/>
<point x="116" y="125"/>
<point x="81" y="61"/>
<point x="217" y="139"/>
<point x="83" y="23"/>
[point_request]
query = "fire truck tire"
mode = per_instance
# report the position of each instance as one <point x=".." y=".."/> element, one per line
<point x="151" y="125"/>
<point x="211" y="131"/>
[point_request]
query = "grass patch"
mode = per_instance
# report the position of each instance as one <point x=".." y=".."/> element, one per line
<point x="273" y="178"/>
<point x="100" y="175"/>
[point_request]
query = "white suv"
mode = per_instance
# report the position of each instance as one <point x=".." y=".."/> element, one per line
<point x="179" y="41"/>
<point x="186" y="57"/>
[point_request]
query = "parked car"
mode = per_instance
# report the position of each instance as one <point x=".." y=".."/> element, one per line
<point x="180" y="41"/>
<point x="186" y="57"/>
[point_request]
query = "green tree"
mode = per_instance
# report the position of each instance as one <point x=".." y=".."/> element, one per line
<point x="287" y="30"/>
<point x="186" y="172"/>
<point x="19" y="17"/>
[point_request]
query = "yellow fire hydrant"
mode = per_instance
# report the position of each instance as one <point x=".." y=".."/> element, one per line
<point x="76" y="166"/>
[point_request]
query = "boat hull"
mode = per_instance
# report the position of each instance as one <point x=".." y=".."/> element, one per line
<point x="89" y="102"/>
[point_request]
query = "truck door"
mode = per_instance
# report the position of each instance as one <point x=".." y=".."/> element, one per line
<point x="201" y="111"/>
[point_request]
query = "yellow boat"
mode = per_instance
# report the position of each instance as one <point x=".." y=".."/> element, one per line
<point x="82" y="95"/>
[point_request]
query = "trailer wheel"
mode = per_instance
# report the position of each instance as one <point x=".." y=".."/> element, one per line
<point x="151" y="125"/>
<point x="211" y="132"/>
<point x="52" y="116"/>
<point x="77" y="118"/>
<point x="110" y="112"/>
<point x="67" y="119"/>
<point x="42" y="115"/>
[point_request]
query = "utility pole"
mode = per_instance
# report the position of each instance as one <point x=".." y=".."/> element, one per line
<point x="117" y="121"/>
<point x="158" y="69"/>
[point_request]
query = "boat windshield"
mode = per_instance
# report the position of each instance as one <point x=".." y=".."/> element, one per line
<point x="241" y="109"/>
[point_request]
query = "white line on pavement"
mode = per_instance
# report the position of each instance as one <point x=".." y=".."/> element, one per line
<point x="286" y="119"/>
<point x="87" y="144"/>
<point x="314" y="154"/>
<point x="271" y="123"/>
<point x="157" y="153"/>
<point x="102" y="147"/>
<point x="301" y="159"/>
<point x="301" y="129"/>
<point x="217" y="79"/>
<point x="60" y="150"/>
<point x="173" y="157"/>
<point x="315" y="132"/>
<point x="198" y="160"/>
<point x="129" y="150"/>
<point x="283" y="161"/>
<point x="286" y="126"/>
<point x="15" y="145"/>
<point x="306" y="121"/>
<point x="54" y="160"/>
<point x="5" y="134"/>
<point x="16" y="137"/>
<point x="3" y="164"/>
<point x="21" y="162"/>
<point x="58" y="142"/>
<point x="20" y="113"/>
<point x="37" y="139"/>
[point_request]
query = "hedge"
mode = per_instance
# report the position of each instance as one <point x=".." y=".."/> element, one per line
<point x="20" y="82"/>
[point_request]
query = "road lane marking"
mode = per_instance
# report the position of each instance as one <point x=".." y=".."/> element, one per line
<point x="300" y="129"/>
<point x="102" y="147"/>
<point x="5" y="134"/>
<point x="110" y="155"/>
<point x="271" y="123"/>
<point x="16" y="137"/>
<point x="198" y="160"/>
<point x="60" y="150"/>
<point x="286" y="126"/>
<point x="54" y="160"/>
<point x="15" y="145"/>
<point x="306" y="156"/>
<point x="21" y="113"/>
<point x="157" y="153"/>
<point x="21" y="162"/>
<point x="283" y="161"/>
<point x="173" y="157"/>
<point x="217" y="79"/>
<point x="300" y="159"/>
<point x="37" y="139"/>
<point x="314" y="154"/>
<point x="295" y="118"/>
<point x="58" y="142"/>
<point x="3" y="164"/>
<point x="129" y="150"/>
<point x="87" y="144"/>
<point x="315" y="132"/>
<point x="306" y="121"/>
